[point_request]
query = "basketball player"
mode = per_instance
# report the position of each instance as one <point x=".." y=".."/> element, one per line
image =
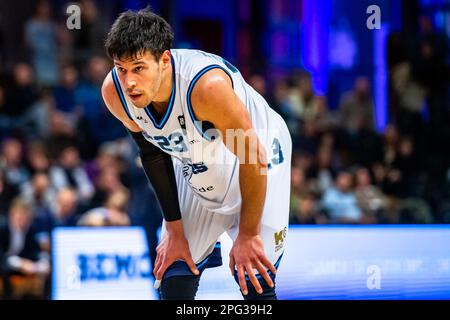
<point x="217" y="155"/>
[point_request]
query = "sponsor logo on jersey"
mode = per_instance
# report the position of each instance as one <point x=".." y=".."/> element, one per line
<point x="182" y="122"/>
<point x="139" y="118"/>
<point x="204" y="189"/>
<point x="193" y="168"/>
<point x="280" y="236"/>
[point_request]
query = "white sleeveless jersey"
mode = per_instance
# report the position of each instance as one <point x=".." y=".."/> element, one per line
<point x="209" y="167"/>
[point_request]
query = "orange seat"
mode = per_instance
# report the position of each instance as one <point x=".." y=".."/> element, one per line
<point x="27" y="286"/>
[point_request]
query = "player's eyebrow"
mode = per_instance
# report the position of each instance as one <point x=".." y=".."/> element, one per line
<point x="139" y="62"/>
<point x="133" y="63"/>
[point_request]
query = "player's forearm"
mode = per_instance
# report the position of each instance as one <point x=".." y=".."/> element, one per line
<point x="158" y="168"/>
<point x="253" y="183"/>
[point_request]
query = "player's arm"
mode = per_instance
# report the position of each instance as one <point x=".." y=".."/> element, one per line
<point x="214" y="100"/>
<point x="158" y="168"/>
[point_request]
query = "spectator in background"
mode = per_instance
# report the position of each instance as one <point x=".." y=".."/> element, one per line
<point x="429" y="68"/>
<point x="298" y="98"/>
<point x="89" y="40"/>
<point x="41" y="38"/>
<point x="408" y="99"/>
<point x="110" y="156"/>
<point x="323" y="171"/>
<point x="19" y="251"/>
<point x="283" y="104"/>
<point x="107" y="182"/>
<point x="61" y="133"/>
<point x="308" y="211"/>
<point x="7" y="194"/>
<point x="408" y="163"/>
<point x="301" y="95"/>
<point x="356" y="107"/>
<point x="69" y="172"/>
<point x="387" y="176"/>
<point x="340" y="201"/>
<point x="19" y="98"/>
<point x="113" y="213"/>
<point x="308" y="138"/>
<point x="38" y="192"/>
<point x="64" y="94"/>
<point x="370" y="199"/>
<point x="319" y="113"/>
<point x="390" y="144"/>
<point x="303" y="160"/>
<point x="299" y="188"/>
<point x="63" y="213"/>
<point x="12" y="163"/>
<point x="259" y="83"/>
<point x="37" y="160"/>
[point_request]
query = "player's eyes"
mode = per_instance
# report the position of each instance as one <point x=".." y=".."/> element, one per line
<point x="137" y="69"/>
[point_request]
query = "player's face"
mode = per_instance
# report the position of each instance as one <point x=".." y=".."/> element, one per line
<point x="141" y="76"/>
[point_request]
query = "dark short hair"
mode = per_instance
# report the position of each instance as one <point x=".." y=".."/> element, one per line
<point x="135" y="32"/>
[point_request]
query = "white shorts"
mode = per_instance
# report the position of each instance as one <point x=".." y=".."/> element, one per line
<point x="203" y="227"/>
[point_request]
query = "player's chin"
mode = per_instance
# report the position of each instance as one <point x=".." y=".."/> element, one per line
<point x="139" y="100"/>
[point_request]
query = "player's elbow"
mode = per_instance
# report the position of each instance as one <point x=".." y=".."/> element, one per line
<point x="262" y="157"/>
<point x="255" y="154"/>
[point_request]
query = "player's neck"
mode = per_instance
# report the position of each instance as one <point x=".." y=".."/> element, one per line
<point x="161" y="101"/>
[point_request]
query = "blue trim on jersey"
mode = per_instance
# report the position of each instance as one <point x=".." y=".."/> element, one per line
<point x="120" y="93"/>
<point x="171" y="101"/>
<point x="191" y="87"/>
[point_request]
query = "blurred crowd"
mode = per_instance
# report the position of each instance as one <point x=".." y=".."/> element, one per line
<point x="65" y="161"/>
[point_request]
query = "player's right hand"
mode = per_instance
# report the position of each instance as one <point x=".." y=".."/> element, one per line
<point x="173" y="247"/>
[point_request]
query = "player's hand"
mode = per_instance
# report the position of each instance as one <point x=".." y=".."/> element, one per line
<point x="246" y="255"/>
<point x="173" y="247"/>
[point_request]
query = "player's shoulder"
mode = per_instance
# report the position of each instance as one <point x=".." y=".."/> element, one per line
<point x="108" y="88"/>
<point x="114" y="104"/>
<point x="110" y="95"/>
<point x="189" y="62"/>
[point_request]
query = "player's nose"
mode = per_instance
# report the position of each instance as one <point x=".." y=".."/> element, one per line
<point x="131" y="84"/>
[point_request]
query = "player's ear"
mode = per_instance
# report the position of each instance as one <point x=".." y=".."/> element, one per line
<point x="165" y="59"/>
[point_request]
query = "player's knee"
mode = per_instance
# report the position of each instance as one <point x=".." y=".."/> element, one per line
<point x="179" y="288"/>
<point x="267" y="294"/>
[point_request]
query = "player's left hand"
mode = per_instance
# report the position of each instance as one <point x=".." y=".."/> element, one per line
<point x="173" y="247"/>
<point x="246" y="255"/>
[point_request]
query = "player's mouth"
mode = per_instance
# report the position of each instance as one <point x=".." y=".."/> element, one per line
<point x="135" y="96"/>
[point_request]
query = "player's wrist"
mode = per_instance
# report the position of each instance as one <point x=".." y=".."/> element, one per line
<point x="246" y="232"/>
<point x="175" y="227"/>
